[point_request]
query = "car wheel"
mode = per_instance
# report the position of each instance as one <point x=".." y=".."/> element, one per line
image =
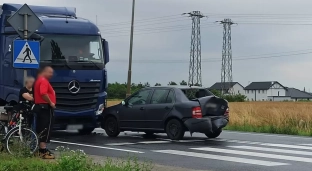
<point x="175" y="129"/>
<point x="214" y="134"/>
<point x="111" y="127"/>
<point x="87" y="131"/>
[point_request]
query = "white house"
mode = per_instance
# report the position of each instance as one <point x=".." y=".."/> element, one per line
<point x="263" y="91"/>
<point x="230" y="87"/>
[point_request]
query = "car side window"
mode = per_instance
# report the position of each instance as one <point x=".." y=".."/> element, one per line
<point x="159" y="96"/>
<point x="139" y="98"/>
<point x="170" y="97"/>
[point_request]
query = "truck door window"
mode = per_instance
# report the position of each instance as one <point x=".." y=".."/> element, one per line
<point x="159" y="96"/>
<point x="95" y="49"/>
<point x="139" y="98"/>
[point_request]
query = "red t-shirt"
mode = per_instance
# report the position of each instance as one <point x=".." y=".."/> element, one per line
<point x="42" y="87"/>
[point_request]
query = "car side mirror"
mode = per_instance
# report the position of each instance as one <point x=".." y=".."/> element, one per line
<point x="123" y="103"/>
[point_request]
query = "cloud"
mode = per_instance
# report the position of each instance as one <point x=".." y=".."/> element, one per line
<point x="161" y="33"/>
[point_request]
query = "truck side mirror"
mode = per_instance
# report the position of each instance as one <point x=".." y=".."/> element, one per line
<point x="106" y="51"/>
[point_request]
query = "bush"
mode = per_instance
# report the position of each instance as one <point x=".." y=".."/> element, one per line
<point x="69" y="160"/>
<point x="230" y="98"/>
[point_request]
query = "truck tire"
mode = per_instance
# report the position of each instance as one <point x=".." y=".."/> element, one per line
<point x="87" y="131"/>
<point x="175" y="129"/>
<point x="214" y="134"/>
<point x="111" y="127"/>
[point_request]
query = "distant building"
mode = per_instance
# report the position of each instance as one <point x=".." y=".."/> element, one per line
<point x="234" y="87"/>
<point x="293" y="94"/>
<point x="263" y="91"/>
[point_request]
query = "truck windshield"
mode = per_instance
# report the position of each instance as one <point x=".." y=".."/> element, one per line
<point x="71" y="49"/>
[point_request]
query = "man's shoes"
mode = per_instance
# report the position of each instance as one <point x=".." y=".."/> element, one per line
<point x="46" y="154"/>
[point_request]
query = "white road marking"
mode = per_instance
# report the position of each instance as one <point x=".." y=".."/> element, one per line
<point x="273" y="150"/>
<point x="287" y="146"/>
<point x="142" y="142"/>
<point x="223" y="158"/>
<point x="254" y="154"/>
<point x="93" y="146"/>
<point x="153" y="142"/>
<point x="264" y="144"/>
<point x="117" y="144"/>
<point x="266" y="134"/>
<point x="169" y="140"/>
<point x="306" y="144"/>
<point x="164" y="141"/>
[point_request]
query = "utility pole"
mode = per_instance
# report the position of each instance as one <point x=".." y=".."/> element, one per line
<point x="130" y="53"/>
<point x="195" y="53"/>
<point x="226" y="67"/>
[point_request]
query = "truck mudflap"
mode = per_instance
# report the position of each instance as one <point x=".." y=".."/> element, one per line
<point x="205" y="125"/>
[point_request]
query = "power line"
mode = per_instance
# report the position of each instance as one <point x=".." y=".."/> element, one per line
<point x="156" y="28"/>
<point x="153" y="32"/>
<point x="215" y="59"/>
<point x="162" y="18"/>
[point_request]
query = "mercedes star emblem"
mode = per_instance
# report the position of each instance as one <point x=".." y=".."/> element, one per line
<point x="74" y="87"/>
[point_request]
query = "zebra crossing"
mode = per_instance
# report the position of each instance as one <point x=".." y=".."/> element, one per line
<point x="246" y="152"/>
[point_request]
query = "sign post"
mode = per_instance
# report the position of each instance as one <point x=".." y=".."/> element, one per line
<point x="25" y="22"/>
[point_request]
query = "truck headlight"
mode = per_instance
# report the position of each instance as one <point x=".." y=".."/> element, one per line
<point x="100" y="109"/>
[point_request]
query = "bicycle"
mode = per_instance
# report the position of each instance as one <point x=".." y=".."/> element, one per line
<point x="20" y="132"/>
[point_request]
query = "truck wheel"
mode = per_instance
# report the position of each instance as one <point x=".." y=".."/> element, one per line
<point x="214" y="134"/>
<point x="175" y="129"/>
<point x="87" y="131"/>
<point x="111" y="127"/>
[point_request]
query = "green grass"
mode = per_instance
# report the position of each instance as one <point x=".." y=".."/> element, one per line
<point x="69" y="160"/>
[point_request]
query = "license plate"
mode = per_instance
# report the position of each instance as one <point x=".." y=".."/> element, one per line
<point x="74" y="127"/>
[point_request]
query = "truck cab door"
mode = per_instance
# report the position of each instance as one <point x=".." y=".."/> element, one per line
<point x="7" y="71"/>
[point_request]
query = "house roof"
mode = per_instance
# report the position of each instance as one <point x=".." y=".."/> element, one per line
<point x="265" y="85"/>
<point x="295" y="93"/>
<point x="228" y="85"/>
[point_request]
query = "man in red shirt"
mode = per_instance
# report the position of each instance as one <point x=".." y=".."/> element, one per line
<point x="45" y="99"/>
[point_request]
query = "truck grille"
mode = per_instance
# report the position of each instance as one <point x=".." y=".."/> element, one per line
<point x="85" y="99"/>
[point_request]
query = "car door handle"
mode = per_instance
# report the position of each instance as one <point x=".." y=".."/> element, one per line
<point x="167" y="108"/>
<point x="142" y="108"/>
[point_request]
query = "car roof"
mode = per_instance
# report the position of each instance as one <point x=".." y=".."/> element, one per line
<point x="179" y="87"/>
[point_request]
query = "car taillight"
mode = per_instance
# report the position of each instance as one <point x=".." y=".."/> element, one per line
<point x="196" y="112"/>
<point x="227" y="112"/>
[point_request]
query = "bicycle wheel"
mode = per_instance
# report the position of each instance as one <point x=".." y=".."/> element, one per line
<point x="3" y="130"/>
<point x="27" y="144"/>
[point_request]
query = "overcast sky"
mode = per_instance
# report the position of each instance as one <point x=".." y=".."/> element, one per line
<point x="277" y="52"/>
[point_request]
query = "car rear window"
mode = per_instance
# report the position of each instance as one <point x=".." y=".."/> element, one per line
<point x="196" y="93"/>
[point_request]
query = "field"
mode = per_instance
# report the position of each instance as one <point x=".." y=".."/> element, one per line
<point x="269" y="117"/>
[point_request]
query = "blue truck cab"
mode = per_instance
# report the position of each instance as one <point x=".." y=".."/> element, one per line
<point x="74" y="48"/>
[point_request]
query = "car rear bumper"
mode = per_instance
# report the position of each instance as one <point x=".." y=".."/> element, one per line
<point x="205" y="125"/>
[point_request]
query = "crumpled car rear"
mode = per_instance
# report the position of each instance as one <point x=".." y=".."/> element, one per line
<point x="215" y="115"/>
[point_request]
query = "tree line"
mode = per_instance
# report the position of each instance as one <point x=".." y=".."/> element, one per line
<point x="118" y="90"/>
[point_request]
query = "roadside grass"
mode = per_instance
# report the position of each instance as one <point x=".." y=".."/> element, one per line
<point x="292" y="118"/>
<point x="69" y="160"/>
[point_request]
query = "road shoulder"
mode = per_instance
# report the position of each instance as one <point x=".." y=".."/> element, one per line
<point x="156" y="167"/>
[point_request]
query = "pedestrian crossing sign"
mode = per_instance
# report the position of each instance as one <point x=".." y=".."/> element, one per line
<point x="26" y="54"/>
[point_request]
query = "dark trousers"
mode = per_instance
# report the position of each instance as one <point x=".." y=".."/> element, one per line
<point x="44" y="124"/>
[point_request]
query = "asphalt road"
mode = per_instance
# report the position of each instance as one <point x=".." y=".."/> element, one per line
<point x="232" y="151"/>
